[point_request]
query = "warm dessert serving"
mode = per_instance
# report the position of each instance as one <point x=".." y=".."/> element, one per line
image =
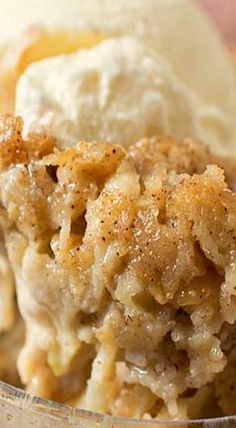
<point x="117" y="224"/>
<point x="124" y="262"/>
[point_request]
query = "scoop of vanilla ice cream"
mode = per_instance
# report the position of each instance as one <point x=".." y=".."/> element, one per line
<point x="114" y="92"/>
<point x="176" y="29"/>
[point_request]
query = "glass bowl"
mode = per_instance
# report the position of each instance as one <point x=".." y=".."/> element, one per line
<point x="21" y="410"/>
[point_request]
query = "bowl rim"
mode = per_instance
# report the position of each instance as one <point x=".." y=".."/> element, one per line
<point x="18" y="398"/>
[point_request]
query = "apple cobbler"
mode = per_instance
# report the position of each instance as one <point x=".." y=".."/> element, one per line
<point x="125" y="269"/>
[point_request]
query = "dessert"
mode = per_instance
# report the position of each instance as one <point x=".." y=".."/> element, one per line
<point x="117" y="225"/>
<point x="35" y="44"/>
<point x="117" y="91"/>
<point x="197" y="59"/>
<point x="124" y="262"/>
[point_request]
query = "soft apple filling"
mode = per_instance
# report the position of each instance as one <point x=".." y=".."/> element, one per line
<point x="124" y="263"/>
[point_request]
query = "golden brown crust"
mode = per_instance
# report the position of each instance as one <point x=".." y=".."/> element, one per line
<point x="14" y="149"/>
<point x="127" y="254"/>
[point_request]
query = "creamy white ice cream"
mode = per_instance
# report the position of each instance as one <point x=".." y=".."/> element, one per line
<point x="176" y="28"/>
<point x="196" y="96"/>
<point x="117" y="91"/>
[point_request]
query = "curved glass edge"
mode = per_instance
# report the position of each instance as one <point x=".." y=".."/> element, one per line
<point x="17" y="398"/>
